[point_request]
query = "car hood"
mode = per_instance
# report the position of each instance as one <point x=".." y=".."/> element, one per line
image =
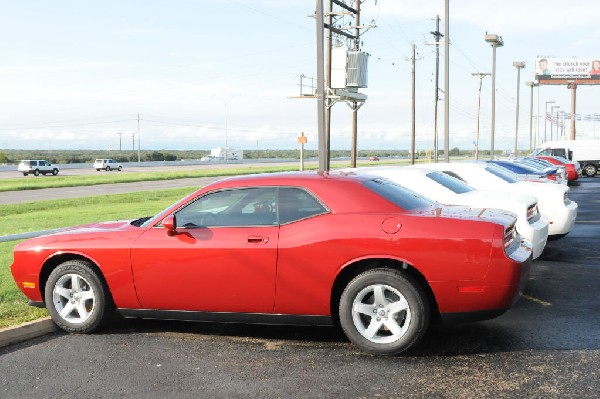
<point x="117" y="225"/>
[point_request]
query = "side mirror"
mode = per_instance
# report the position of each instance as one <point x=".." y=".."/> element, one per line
<point x="170" y="224"/>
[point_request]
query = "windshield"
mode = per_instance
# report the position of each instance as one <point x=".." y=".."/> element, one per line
<point x="451" y="183"/>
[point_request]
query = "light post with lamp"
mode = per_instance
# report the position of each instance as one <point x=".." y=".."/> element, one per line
<point x="519" y="65"/>
<point x="552" y="122"/>
<point x="495" y="41"/>
<point x="532" y="85"/>
<point x="546" y="120"/>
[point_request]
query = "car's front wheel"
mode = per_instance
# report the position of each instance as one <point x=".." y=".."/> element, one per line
<point x="120" y="168"/>
<point x="77" y="299"/>
<point x="55" y="171"/>
<point x="384" y="312"/>
<point x="108" y="168"/>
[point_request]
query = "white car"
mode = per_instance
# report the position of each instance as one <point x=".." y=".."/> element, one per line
<point x="445" y="189"/>
<point x="553" y="199"/>
<point x="107" y="165"/>
<point x="37" y="166"/>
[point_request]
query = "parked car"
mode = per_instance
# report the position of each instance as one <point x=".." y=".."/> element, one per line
<point x="573" y="169"/>
<point x="524" y="172"/>
<point x="289" y="248"/>
<point x="586" y="152"/>
<point x="558" y="173"/>
<point x="448" y="190"/>
<point x="553" y="199"/>
<point x="37" y="166"/>
<point x="107" y="165"/>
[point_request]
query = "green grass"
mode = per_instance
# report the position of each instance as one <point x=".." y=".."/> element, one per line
<point x="43" y="215"/>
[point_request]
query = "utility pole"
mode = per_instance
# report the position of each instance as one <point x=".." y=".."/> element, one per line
<point x="120" y="137"/>
<point x="437" y="35"/>
<point x="447" y="82"/>
<point x="354" y="143"/>
<point x="412" y="108"/>
<point x="323" y="157"/>
<point x="133" y="142"/>
<point x="138" y="120"/>
<point x="519" y="65"/>
<point x="481" y="75"/>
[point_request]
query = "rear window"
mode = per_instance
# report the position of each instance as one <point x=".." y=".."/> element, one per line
<point x="450" y="182"/>
<point x="401" y="196"/>
<point x="501" y="174"/>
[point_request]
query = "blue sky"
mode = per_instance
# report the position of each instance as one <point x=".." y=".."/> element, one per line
<point x="75" y="73"/>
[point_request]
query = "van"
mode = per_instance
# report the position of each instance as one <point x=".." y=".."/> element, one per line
<point x="586" y="152"/>
<point x="37" y="166"/>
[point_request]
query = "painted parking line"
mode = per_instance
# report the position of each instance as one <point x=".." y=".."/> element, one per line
<point x="535" y="300"/>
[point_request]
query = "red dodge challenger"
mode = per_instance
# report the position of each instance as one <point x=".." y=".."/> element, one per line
<point x="289" y="248"/>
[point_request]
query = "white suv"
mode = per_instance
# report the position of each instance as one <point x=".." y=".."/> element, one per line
<point x="37" y="166"/>
<point x="107" y="165"/>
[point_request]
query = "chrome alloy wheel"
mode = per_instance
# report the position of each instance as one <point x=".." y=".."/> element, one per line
<point x="381" y="314"/>
<point x="73" y="298"/>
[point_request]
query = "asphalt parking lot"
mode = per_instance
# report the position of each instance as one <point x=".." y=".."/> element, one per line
<point x="547" y="346"/>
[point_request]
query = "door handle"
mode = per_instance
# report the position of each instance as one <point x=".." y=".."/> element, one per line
<point x="258" y="239"/>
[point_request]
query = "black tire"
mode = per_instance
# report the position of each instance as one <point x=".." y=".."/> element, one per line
<point x="108" y="168"/>
<point x="395" y="287"/>
<point x="120" y="167"/>
<point x="25" y="173"/>
<point x="54" y="172"/>
<point x="98" y="170"/>
<point x="590" y="170"/>
<point x="77" y="291"/>
<point x="36" y="172"/>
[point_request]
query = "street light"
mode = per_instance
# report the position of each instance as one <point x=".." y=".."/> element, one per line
<point x="532" y="85"/>
<point x="225" y="103"/>
<point x="552" y="120"/>
<point x="546" y="120"/>
<point x="519" y="65"/>
<point x="481" y="75"/>
<point x="495" y="41"/>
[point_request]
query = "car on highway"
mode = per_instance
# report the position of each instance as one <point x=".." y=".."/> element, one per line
<point x="37" y="167"/>
<point x="440" y="187"/>
<point x="285" y="248"/>
<point x="553" y="199"/>
<point x="107" y="165"/>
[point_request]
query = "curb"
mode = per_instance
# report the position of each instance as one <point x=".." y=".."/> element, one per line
<point x="25" y="331"/>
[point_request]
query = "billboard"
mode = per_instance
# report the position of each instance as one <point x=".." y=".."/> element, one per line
<point x="585" y="70"/>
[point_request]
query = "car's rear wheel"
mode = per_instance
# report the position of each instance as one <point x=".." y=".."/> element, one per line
<point x="384" y="312"/>
<point x="55" y="171"/>
<point x="25" y="174"/>
<point x="77" y="299"/>
<point x="36" y="172"/>
<point x="590" y="170"/>
<point x="97" y="169"/>
<point x="108" y="168"/>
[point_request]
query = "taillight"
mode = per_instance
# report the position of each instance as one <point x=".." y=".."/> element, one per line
<point x="510" y="233"/>
<point x="552" y="177"/>
<point x="533" y="214"/>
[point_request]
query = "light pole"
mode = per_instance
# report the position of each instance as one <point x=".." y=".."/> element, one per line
<point x="532" y="85"/>
<point x="481" y="75"/>
<point x="495" y="41"/>
<point x="225" y="103"/>
<point x="546" y="120"/>
<point x="519" y="65"/>
<point x="552" y="121"/>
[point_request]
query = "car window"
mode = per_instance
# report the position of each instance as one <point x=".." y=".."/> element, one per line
<point x="560" y="152"/>
<point x="239" y="207"/>
<point x="401" y="196"/>
<point x="297" y="204"/>
<point x="450" y="182"/>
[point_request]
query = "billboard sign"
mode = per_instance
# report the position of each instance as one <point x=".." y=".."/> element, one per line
<point x="582" y="69"/>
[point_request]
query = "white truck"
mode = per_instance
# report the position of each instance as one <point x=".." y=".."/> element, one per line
<point x="586" y="152"/>
<point x="232" y="155"/>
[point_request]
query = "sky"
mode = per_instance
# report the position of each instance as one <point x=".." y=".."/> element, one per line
<point x="76" y="74"/>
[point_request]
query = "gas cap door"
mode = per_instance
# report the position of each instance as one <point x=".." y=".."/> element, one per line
<point x="391" y="225"/>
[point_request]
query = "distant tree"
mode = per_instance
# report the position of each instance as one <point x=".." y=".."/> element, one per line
<point x="3" y="157"/>
<point x="455" y="151"/>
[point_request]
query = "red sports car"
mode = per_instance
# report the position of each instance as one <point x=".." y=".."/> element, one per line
<point x="285" y="248"/>
<point x="573" y="170"/>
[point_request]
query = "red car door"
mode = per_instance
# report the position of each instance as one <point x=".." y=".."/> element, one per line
<point x="222" y="258"/>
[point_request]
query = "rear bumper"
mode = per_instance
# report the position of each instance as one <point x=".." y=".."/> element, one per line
<point x="562" y="222"/>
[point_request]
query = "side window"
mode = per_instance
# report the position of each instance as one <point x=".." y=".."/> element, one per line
<point x="547" y="152"/>
<point x="42" y="163"/>
<point x="297" y="204"/>
<point x="560" y="152"/>
<point x="240" y="207"/>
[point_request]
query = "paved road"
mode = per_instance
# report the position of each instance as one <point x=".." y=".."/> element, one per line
<point x="547" y="346"/>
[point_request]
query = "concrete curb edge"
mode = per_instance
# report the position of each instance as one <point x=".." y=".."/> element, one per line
<point x="25" y="331"/>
